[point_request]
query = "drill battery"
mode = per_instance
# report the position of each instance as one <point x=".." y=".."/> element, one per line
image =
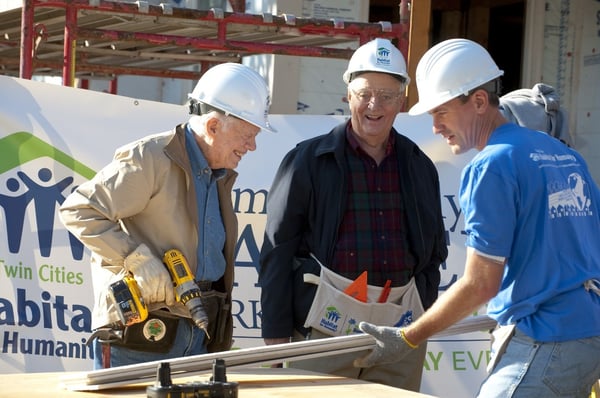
<point x="125" y="295"/>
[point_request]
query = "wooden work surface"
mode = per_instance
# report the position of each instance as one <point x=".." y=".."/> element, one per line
<point x="253" y="383"/>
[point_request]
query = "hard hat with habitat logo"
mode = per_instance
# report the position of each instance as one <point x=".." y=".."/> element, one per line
<point x="236" y="90"/>
<point x="450" y="69"/>
<point x="378" y="55"/>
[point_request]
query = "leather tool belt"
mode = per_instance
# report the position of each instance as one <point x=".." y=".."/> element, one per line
<point x="155" y="334"/>
<point x="217" y="309"/>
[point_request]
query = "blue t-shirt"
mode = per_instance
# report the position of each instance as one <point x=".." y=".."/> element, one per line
<point x="529" y="198"/>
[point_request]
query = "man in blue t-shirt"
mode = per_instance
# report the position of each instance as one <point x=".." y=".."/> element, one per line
<point x="532" y="220"/>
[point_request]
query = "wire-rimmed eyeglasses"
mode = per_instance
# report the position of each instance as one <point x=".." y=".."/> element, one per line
<point x="382" y="96"/>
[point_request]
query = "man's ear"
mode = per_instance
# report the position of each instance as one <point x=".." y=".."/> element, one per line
<point x="481" y="100"/>
<point x="213" y="125"/>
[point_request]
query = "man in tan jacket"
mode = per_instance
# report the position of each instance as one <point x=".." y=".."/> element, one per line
<point x="170" y="191"/>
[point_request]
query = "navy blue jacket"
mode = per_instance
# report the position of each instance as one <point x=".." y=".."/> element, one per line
<point x="304" y="212"/>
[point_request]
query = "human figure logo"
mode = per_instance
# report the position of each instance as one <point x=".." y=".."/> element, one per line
<point x="20" y="189"/>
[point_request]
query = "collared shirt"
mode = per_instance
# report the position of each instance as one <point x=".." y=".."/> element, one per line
<point x="211" y="231"/>
<point x="372" y="235"/>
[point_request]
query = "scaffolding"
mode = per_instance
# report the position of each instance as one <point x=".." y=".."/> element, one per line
<point x="89" y="39"/>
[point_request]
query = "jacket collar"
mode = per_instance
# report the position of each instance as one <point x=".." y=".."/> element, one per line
<point x="175" y="149"/>
<point x="335" y="141"/>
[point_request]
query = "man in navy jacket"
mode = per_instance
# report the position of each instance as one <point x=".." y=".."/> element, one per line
<point x="362" y="197"/>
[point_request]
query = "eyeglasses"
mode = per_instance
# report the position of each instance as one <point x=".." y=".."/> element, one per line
<point x="384" y="97"/>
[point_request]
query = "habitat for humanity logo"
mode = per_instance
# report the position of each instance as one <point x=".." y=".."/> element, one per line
<point x="383" y="56"/>
<point x="333" y="317"/>
<point x="39" y="187"/>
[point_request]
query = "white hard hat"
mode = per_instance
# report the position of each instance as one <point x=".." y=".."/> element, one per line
<point x="450" y="69"/>
<point x="236" y="90"/>
<point x="378" y="55"/>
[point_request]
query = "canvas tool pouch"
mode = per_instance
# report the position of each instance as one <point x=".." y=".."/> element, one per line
<point x="335" y="313"/>
<point x="501" y="336"/>
<point x="217" y="309"/>
<point x="155" y="334"/>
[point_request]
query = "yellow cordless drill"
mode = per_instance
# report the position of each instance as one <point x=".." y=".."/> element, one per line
<point x="130" y="304"/>
<point x="186" y="289"/>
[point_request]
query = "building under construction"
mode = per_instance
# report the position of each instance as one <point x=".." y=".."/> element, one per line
<point x="301" y="48"/>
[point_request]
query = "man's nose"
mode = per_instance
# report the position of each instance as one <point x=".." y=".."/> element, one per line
<point x="375" y="101"/>
<point x="436" y="127"/>
<point x="251" y="144"/>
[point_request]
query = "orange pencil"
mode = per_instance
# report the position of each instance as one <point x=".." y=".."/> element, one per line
<point x="385" y="292"/>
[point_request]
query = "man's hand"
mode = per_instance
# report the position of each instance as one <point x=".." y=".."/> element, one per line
<point x="391" y="346"/>
<point x="151" y="276"/>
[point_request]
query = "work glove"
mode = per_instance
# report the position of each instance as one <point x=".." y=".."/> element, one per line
<point x="151" y="275"/>
<point x="391" y="347"/>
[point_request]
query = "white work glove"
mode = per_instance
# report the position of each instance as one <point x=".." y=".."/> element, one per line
<point x="390" y="348"/>
<point x="151" y="275"/>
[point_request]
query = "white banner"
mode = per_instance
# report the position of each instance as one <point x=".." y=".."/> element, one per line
<point x="52" y="138"/>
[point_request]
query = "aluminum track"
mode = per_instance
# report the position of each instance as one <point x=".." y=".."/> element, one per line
<point x="189" y="366"/>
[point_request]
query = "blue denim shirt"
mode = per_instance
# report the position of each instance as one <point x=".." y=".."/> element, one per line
<point x="211" y="232"/>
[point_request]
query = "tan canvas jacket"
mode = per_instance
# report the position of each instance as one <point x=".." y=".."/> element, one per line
<point x="145" y="195"/>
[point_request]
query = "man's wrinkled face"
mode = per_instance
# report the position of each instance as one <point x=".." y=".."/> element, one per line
<point x="233" y="138"/>
<point x="374" y="99"/>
